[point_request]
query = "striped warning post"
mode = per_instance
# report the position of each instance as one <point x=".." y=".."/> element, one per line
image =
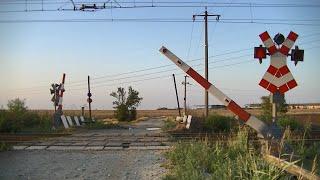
<point x="250" y="120"/>
<point x="268" y="42"/>
<point x="288" y="43"/>
<point x="278" y="79"/>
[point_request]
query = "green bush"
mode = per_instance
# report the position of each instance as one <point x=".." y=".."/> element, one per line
<point x="218" y="123"/>
<point x="126" y="105"/>
<point x="286" y="121"/>
<point x="4" y="146"/>
<point x="18" y="118"/>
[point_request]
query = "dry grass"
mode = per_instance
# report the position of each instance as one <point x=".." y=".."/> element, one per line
<point x="312" y="116"/>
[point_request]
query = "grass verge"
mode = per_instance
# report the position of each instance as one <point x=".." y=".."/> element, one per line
<point x="231" y="160"/>
<point x="169" y="124"/>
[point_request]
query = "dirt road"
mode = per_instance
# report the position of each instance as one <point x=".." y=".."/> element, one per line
<point x="87" y="164"/>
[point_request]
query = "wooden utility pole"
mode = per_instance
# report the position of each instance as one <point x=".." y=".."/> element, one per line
<point x="82" y="111"/>
<point x="175" y="86"/>
<point x="205" y="15"/>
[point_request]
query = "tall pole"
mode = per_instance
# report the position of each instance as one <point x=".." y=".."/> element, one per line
<point x="206" y="52"/>
<point x="175" y="86"/>
<point x="206" y="97"/>
<point x="185" y="95"/>
<point x="89" y="97"/>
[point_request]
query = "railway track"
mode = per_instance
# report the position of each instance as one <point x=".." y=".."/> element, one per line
<point x="118" y="139"/>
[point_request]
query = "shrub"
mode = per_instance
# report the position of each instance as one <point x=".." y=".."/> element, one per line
<point x="286" y="121"/>
<point x="126" y="105"/>
<point x="17" y="106"/>
<point x="18" y="118"/>
<point x="218" y="123"/>
<point x="4" y="146"/>
<point x="122" y="113"/>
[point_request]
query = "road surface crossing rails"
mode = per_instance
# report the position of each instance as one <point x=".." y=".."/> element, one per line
<point x="88" y="141"/>
<point x="118" y="141"/>
<point x="262" y="128"/>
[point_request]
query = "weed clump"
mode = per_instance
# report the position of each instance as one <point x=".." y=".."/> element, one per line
<point x="218" y="123"/>
<point x="235" y="159"/>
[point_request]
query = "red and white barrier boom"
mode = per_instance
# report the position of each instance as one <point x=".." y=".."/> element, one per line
<point x="262" y="128"/>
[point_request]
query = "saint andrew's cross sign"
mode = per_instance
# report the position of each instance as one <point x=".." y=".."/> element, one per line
<point x="278" y="77"/>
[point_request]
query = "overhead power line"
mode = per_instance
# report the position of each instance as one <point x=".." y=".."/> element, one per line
<point x="112" y="76"/>
<point x="169" y="3"/>
<point x="140" y="80"/>
<point x="302" y="22"/>
<point x="115" y="77"/>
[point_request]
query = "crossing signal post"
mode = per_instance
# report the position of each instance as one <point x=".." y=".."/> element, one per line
<point x="278" y="78"/>
<point x="55" y="98"/>
<point x="57" y="92"/>
<point x="89" y="100"/>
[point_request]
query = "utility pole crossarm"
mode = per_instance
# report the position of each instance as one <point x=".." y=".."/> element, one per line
<point x="206" y="45"/>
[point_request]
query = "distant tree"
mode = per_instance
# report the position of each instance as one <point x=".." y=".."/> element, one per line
<point x="266" y="107"/>
<point x="17" y="106"/>
<point x="126" y="105"/>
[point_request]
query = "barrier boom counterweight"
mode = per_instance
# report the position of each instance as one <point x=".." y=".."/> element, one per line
<point x="249" y="119"/>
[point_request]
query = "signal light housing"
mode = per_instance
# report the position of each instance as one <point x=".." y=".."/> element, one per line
<point x="89" y="100"/>
<point x="260" y="53"/>
<point x="297" y="55"/>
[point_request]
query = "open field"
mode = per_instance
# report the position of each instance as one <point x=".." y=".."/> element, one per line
<point x="305" y="115"/>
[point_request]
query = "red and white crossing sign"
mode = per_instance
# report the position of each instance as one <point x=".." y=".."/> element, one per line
<point x="278" y="76"/>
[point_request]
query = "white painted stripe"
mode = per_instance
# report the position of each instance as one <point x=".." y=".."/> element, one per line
<point x="188" y="121"/>
<point x="219" y="95"/>
<point x="278" y="60"/>
<point x="153" y="129"/>
<point x="82" y="118"/>
<point x="178" y="118"/>
<point x="268" y="43"/>
<point x="64" y="121"/>
<point x="60" y="101"/>
<point x="184" y="119"/>
<point x="175" y="59"/>
<point x="70" y="121"/>
<point x="278" y="81"/>
<point x="289" y="43"/>
<point x="76" y="120"/>
<point x="258" y="125"/>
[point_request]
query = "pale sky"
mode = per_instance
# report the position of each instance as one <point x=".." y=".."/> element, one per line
<point x="35" y="54"/>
